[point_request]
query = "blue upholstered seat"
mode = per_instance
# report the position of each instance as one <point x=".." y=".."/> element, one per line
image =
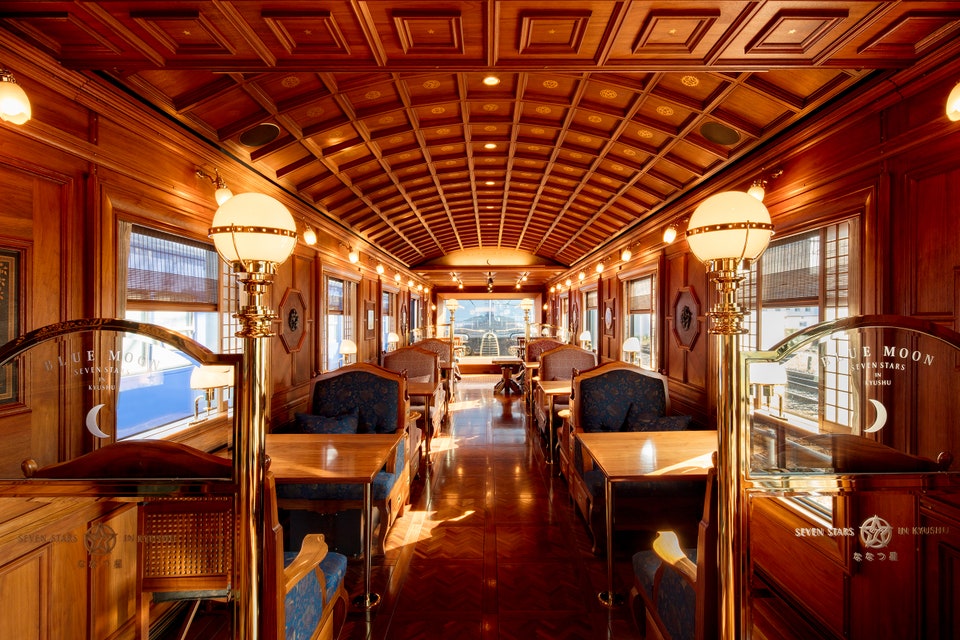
<point x="304" y="603"/>
<point x="675" y="597"/>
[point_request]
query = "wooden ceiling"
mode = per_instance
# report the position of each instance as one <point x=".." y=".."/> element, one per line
<point x="377" y="115"/>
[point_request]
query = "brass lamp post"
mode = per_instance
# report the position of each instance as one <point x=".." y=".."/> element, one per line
<point x="726" y="232"/>
<point x="527" y="305"/>
<point x="254" y="234"/>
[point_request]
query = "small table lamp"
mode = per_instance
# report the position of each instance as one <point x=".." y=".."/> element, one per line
<point x="209" y="378"/>
<point x="631" y="347"/>
<point x="766" y="377"/>
<point x="585" y="339"/>
<point x="392" y="341"/>
<point x="347" y="349"/>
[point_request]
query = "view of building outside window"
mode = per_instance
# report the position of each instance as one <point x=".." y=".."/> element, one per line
<point x="489" y="327"/>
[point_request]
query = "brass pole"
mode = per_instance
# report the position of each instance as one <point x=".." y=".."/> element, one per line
<point x="727" y="324"/>
<point x="249" y="444"/>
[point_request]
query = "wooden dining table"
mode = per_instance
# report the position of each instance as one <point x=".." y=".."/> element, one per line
<point x="425" y="391"/>
<point x="644" y="456"/>
<point x="552" y="389"/>
<point x="319" y="458"/>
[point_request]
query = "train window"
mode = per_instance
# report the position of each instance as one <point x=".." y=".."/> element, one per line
<point x="641" y="319"/>
<point x="176" y="283"/>
<point x="339" y="309"/>
<point x="799" y="281"/>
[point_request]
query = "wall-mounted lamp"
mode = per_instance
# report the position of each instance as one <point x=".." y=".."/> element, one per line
<point x="410" y="283"/>
<point x="953" y="104"/>
<point x="396" y="278"/>
<point x="353" y="256"/>
<point x="568" y="282"/>
<point x="14" y="103"/>
<point x="759" y="187"/>
<point x="599" y="267"/>
<point x="380" y="269"/>
<point x="670" y="233"/>
<point x="309" y="235"/>
<point x="626" y="254"/>
<point x="222" y="193"/>
<point x="581" y="276"/>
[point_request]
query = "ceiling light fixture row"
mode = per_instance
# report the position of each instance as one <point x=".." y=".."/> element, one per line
<point x="456" y="278"/>
<point x="521" y="278"/>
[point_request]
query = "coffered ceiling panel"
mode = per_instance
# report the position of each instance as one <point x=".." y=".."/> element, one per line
<point x="377" y="113"/>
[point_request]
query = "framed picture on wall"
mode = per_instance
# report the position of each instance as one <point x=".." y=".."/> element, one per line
<point x="686" y="318"/>
<point x="370" y="322"/>
<point x="609" y="316"/>
<point x="293" y="318"/>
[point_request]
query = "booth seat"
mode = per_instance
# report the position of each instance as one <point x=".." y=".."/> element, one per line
<point x="358" y="399"/>
<point x="421" y="365"/>
<point x="558" y="363"/>
<point x="447" y="358"/>
<point x="615" y="397"/>
<point x="675" y="590"/>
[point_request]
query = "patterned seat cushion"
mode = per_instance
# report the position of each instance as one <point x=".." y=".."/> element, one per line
<point x="667" y="489"/>
<point x="304" y="603"/>
<point x="608" y="399"/>
<point x="310" y="423"/>
<point x="373" y="397"/>
<point x="676" y="599"/>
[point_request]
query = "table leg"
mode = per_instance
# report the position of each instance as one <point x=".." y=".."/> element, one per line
<point x="609" y="598"/>
<point x="428" y="424"/>
<point x="550" y="428"/>
<point x="367" y="600"/>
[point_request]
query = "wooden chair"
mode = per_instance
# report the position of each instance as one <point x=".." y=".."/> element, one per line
<point x="186" y="537"/>
<point x="675" y="592"/>
<point x="421" y="365"/>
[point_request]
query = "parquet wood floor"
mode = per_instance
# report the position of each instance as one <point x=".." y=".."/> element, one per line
<point x="491" y="546"/>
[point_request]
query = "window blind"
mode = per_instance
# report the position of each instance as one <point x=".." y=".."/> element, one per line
<point x="162" y="267"/>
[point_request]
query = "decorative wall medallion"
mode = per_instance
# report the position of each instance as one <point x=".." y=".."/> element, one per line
<point x="293" y="317"/>
<point x="686" y="318"/>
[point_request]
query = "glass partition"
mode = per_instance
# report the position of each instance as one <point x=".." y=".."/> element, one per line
<point x="849" y="434"/>
<point x="87" y="528"/>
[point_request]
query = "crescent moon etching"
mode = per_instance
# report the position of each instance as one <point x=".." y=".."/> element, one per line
<point x="91" y="421"/>
<point x="881" y="416"/>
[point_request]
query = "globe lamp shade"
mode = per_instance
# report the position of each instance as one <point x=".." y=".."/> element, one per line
<point x="14" y="103"/>
<point x="252" y="228"/>
<point x="731" y="225"/>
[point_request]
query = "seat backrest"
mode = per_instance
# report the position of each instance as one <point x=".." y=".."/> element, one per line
<point x="418" y="363"/>
<point x="616" y="396"/>
<point x="443" y="349"/>
<point x="377" y="396"/>
<point x="560" y="362"/>
<point x="708" y="575"/>
<point x="536" y="346"/>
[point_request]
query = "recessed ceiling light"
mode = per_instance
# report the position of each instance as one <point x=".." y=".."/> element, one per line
<point x="489" y="183"/>
<point x="719" y="133"/>
<point x="491" y="81"/>
<point x="260" y="135"/>
<point x="490" y="145"/>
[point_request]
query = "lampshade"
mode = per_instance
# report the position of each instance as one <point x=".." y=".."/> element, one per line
<point x="757" y="191"/>
<point x="14" y="103"/>
<point x="625" y="255"/>
<point x="670" y="234"/>
<point x="767" y="373"/>
<point x="953" y="103"/>
<point x="347" y="347"/>
<point x="222" y="194"/>
<point x="253" y="227"/>
<point x="353" y="256"/>
<point x="392" y="338"/>
<point x="729" y="225"/>
<point x="310" y="236"/>
<point x="585" y="336"/>
<point x="632" y="345"/>
<point x="452" y="304"/>
<point x="599" y="267"/>
<point x="211" y="376"/>
<point x="526" y="304"/>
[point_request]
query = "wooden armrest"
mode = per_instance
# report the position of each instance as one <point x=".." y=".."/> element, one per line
<point x="312" y="551"/>
<point x="667" y="546"/>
